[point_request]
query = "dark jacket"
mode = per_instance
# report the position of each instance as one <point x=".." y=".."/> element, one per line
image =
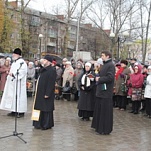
<point x="46" y="86"/>
<point x="107" y="75"/>
<point x="87" y="96"/>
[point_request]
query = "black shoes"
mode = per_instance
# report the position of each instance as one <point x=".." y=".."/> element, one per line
<point x="85" y="118"/>
<point x="19" y="115"/>
<point x="13" y="114"/>
<point x="136" y="112"/>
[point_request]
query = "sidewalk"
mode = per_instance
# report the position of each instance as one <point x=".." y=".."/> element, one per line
<point x="131" y="132"/>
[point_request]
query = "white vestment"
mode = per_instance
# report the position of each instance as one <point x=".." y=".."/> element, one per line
<point x="10" y="97"/>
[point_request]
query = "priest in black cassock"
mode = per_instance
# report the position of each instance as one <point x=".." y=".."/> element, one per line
<point x="103" y="112"/>
<point x="44" y="96"/>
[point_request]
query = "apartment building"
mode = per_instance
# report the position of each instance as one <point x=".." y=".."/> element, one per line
<point x="55" y="34"/>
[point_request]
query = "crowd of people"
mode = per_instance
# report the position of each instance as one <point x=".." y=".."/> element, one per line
<point x="97" y="86"/>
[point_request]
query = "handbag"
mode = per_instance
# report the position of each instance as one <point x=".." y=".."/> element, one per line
<point x="123" y="86"/>
<point x="67" y="87"/>
<point x="74" y="89"/>
<point x="136" y="94"/>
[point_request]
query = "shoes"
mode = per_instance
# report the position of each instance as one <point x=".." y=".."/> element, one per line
<point x="11" y="114"/>
<point x="105" y="133"/>
<point x="44" y="128"/>
<point x="122" y="109"/>
<point x="87" y="119"/>
<point x="135" y="112"/>
<point x="131" y="111"/>
<point x="82" y="118"/>
<point x="19" y="115"/>
<point x="37" y="127"/>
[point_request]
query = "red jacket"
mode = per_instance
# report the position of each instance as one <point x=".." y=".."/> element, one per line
<point x="136" y="80"/>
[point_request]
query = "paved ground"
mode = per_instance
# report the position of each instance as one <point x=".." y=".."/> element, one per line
<point x="131" y="132"/>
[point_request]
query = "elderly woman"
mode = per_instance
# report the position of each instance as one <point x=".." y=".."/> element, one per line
<point x="4" y="70"/>
<point x="135" y="88"/>
<point x="121" y="77"/>
<point x="30" y="79"/>
<point x="87" y="93"/>
<point x="77" y="73"/>
<point x="67" y="77"/>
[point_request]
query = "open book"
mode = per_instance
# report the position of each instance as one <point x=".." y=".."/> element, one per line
<point x="90" y="75"/>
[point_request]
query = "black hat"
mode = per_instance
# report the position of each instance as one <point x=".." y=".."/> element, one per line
<point x="17" y="51"/>
<point x="124" y="61"/>
<point x="48" y="57"/>
<point x="58" y="65"/>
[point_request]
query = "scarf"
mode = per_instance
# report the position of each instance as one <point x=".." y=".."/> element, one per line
<point x="119" y="72"/>
<point x="85" y="80"/>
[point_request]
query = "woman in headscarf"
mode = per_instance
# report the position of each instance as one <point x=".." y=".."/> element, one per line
<point x="77" y="74"/>
<point x="87" y="93"/>
<point x="30" y="79"/>
<point x="4" y="70"/>
<point x="135" y="88"/>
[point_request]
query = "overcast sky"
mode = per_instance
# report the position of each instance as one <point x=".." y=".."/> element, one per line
<point x="44" y="4"/>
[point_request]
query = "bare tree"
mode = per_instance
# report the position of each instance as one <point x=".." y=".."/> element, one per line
<point x="147" y="31"/>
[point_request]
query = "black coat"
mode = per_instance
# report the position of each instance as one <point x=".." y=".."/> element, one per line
<point x="87" y="97"/>
<point x="46" y="86"/>
<point x="107" y="75"/>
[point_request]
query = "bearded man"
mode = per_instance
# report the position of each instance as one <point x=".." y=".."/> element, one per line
<point x="14" y="98"/>
<point x="44" y="96"/>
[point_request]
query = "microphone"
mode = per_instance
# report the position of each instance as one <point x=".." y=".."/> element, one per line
<point x="21" y="63"/>
<point x="13" y="76"/>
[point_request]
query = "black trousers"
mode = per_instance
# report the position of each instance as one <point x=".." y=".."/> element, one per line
<point x="122" y="101"/>
<point x="136" y="106"/>
<point x="148" y="106"/>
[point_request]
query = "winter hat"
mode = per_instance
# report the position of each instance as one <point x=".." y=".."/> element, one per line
<point x="64" y="59"/>
<point x="48" y="57"/>
<point x="149" y="67"/>
<point x="68" y="62"/>
<point x="17" y="51"/>
<point x="100" y="61"/>
<point x="88" y="64"/>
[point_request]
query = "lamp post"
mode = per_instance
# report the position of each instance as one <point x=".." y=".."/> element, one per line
<point x="40" y="38"/>
<point x="120" y="39"/>
<point x="77" y="37"/>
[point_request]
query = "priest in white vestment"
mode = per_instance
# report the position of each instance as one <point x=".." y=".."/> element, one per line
<point x="16" y="80"/>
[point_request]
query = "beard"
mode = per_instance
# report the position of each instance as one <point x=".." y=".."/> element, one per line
<point x="14" y="58"/>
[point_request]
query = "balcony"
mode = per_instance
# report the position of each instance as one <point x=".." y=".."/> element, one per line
<point x="52" y="44"/>
<point x="71" y="46"/>
<point x="52" y="35"/>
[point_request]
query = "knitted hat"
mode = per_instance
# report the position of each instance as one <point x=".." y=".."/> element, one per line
<point x="17" y="51"/>
<point x="100" y="61"/>
<point x="48" y="57"/>
<point x="68" y="62"/>
<point x="149" y="67"/>
<point x="88" y="64"/>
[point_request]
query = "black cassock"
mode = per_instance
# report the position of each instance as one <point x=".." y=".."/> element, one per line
<point x="103" y="111"/>
<point x="103" y="116"/>
<point x="45" y="86"/>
